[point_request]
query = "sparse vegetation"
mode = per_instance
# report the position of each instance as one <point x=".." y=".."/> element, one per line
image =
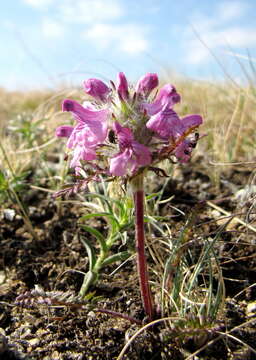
<point x="202" y="259"/>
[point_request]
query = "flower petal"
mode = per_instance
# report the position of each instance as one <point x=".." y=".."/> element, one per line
<point x="166" y="98"/>
<point x="124" y="135"/>
<point x="82" y="114"/>
<point x="192" y="121"/>
<point x="183" y="151"/>
<point x="166" y="124"/>
<point x="96" y="121"/>
<point x="64" y="131"/>
<point x="82" y="153"/>
<point x="120" y="163"/>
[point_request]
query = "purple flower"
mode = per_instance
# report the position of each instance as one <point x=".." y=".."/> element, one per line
<point x="166" y="98"/>
<point x="64" y="131"/>
<point x="97" y="89"/>
<point x="183" y="151"/>
<point x="146" y="84"/>
<point x="84" y="114"/>
<point x="166" y="124"/>
<point x="191" y="122"/>
<point x="96" y="138"/>
<point x="82" y="152"/>
<point x="132" y="154"/>
<point x="92" y="122"/>
<point x="90" y="131"/>
<point x="122" y="86"/>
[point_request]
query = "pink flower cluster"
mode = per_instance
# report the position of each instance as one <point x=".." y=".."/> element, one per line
<point x="124" y="129"/>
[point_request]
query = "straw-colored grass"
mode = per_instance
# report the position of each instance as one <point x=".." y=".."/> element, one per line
<point x="228" y="112"/>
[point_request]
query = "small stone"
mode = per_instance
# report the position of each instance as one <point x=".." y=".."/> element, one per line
<point x="245" y="194"/>
<point x="2" y="277"/>
<point x="55" y="355"/>
<point x="251" y="309"/>
<point x="9" y="214"/>
<point x="33" y="342"/>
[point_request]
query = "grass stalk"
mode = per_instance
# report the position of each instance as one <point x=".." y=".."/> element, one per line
<point x="13" y="194"/>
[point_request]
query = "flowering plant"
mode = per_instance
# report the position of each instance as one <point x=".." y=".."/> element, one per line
<point x="125" y="131"/>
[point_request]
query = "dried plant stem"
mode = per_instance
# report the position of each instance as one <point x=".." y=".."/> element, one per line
<point x="23" y="214"/>
<point x="138" y="195"/>
<point x="118" y="315"/>
<point x="12" y="193"/>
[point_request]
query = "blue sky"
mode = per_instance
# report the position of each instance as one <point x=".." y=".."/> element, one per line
<point x="51" y="42"/>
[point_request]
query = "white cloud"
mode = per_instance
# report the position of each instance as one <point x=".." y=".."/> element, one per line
<point x="196" y="53"/>
<point x="52" y="29"/>
<point x="225" y="11"/>
<point x="128" y="38"/>
<point x="217" y="32"/>
<point x="234" y="37"/>
<point x="90" y="11"/>
<point x="38" y="3"/>
<point x="229" y="10"/>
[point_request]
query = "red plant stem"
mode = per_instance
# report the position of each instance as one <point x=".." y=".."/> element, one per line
<point x="146" y="295"/>
<point x="119" y="315"/>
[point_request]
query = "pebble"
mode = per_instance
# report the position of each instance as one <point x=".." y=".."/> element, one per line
<point x="251" y="309"/>
<point x="9" y="214"/>
<point x="2" y="277"/>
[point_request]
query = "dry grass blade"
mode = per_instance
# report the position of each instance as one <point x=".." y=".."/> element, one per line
<point x="223" y="335"/>
<point x="235" y="218"/>
<point x="138" y="332"/>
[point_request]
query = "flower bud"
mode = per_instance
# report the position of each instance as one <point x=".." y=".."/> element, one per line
<point x="97" y="89"/>
<point x="146" y="84"/>
<point x="64" y="131"/>
<point x="122" y="86"/>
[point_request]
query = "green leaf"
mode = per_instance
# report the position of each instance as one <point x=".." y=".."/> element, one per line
<point x="92" y="215"/>
<point x="115" y="224"/>
<point x="116" y="257"/>
<point x="3" y="182"/>
<point x="97" y="234"/>
<point x="126" y="226"/>
<point x="88" y="297"/>
<point x="102" y="197"/>
<point x="153" y="196"/>
<point x="90" y="252"/>
<point x="90" y="278"/>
